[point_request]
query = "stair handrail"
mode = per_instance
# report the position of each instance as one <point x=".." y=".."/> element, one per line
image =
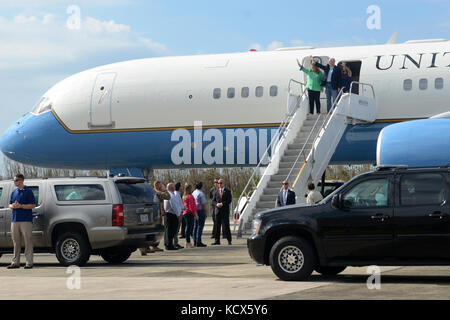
<point x="279" y="135"/>
<point x="330" y="113"/>
<point x="361" y="84"/>
<point x="332" y="109"/>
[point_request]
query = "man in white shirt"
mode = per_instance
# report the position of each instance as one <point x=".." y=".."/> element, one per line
<point x="202" y="213"/>
<point x="172" y="210"/>
<point x="180" y="216"/>
<point x="313" y="195"/>
<point x="332" y="80"/>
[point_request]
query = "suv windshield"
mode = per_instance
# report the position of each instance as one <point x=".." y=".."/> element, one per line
<point x="135" y="191"/>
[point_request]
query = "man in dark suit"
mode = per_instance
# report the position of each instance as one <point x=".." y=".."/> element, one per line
<point x="331" y="81"/>
<point x="286" y="197"/>
<point x="222" y="201"/>
<point x="212" y="191"/>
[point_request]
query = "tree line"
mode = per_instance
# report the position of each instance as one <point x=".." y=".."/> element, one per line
<point x="236" y="178"/>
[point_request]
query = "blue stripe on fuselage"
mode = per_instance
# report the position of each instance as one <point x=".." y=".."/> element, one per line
<point x="42" y="141"/>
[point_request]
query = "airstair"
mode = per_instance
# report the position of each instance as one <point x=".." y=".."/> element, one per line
<point x="302" y="148"/>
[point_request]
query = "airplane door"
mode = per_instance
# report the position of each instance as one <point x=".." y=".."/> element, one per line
<point x="101" y="100"/>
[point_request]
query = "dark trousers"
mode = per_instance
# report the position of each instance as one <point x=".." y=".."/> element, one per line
<point x="170" y="226"/>
<point x="198" y="226"/>
<point x="189" y="219"/>
<point x="314" y="97"/>
<point x="213" y="232"/>
<point x="183" y="227"/>
<point x="223" y="222"/>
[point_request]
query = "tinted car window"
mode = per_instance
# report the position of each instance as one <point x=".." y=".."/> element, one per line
<point x="421" y="189"/>
<point x="1" y="191"/>
<point x="370" y="193"/>
<point x="135" y="192"/>
<point x="35" y="193"/>
<point x="80" y="192"/>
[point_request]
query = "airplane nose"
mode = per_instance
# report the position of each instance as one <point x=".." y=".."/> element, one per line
<point x="8" y="139"/>
<point x="12" y="140"/>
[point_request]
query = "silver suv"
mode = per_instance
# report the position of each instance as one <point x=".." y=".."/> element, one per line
<point x="77" y="217"/>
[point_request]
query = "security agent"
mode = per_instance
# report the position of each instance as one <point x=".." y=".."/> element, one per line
<point x="22" y="203"/>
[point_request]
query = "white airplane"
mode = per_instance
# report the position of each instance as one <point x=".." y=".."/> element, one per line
<point x="216" y="110"/>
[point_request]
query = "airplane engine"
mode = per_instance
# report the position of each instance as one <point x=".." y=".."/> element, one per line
<point x="418" y="143"/>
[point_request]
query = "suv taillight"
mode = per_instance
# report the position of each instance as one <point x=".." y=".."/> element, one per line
<point x="117" y="215"/>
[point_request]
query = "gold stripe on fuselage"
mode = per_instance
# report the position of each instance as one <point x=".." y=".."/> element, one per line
<point x="255" y="125"/>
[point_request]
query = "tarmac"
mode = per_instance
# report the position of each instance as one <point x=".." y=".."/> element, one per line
<point x="213" y="273"/>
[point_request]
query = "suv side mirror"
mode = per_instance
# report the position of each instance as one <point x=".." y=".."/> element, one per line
<point x="337" y="201"/>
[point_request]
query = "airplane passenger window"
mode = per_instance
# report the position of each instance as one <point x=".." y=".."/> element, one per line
<point x="245" y="92"/>
<point x="259" y="91"/>
<point x="273" y="91"/>
<point x="423" y="84"/>
<point x="230" y="93"/>
<point x="407" y="85"/>
<point x="439" y="83"/>
<point x="216" y="93"/>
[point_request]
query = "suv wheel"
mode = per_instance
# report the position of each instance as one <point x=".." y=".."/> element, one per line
<point x="329" y="271"/>
<point x="72" y="248"/>
<point x="117" y="255"/>
<point x="292" y="259"/>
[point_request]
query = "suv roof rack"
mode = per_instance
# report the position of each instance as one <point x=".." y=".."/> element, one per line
<point x="391" y="167"/>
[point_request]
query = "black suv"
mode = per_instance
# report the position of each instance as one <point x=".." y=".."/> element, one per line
<point x="392" y="216"/>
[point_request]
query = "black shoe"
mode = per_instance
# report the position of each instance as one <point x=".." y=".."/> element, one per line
<point x="195" y="244"/>
<point x="171" y="248"/>
<point x="179" y="247"/>
<point x="182" y="237"/>
<point x="229" y="243"/>
<point x="28" y="266"/>
<point x="215" y="244"/>
<point x="213" y="237"/>
<point x="13" y="266"/>
<point x="201" y="245"/>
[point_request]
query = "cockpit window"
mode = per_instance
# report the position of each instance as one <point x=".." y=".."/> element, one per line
<point x="42" y="106"/>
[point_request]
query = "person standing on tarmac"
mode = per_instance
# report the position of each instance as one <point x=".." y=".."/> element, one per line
<point x="179" y="199"/>
<point x="212" y="191"/>
<point x="222" y="201"/>
<point x="161" y="195"/>
<point x="202" y="213"/>
<point x="313" y="195"/>
<point x="172" y="210"/>
<point x="22" y="203"/>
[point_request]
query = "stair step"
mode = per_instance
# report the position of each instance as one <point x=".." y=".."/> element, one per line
<point x="296" y="152"/>
<point x="298" y="146"/>
<point x="265" y="204"/>
<point x="268" y="198"/>
<point x="286" y="164"/>
<point x="271" y="191"/>
<point x="284" y="171"/>
<point x="274" y="184"/>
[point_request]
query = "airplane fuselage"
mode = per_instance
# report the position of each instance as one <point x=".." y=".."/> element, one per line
<point x="215" y="110"/>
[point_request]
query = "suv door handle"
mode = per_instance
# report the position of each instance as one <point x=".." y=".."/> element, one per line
<point x="436" y="215"/>
<point x="380" y="216"/>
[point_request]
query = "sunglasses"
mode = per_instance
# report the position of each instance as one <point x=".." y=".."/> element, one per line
<point x="220" y="182"/>
<point x="285" y="184"/>
<point x="17" y="180"/>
